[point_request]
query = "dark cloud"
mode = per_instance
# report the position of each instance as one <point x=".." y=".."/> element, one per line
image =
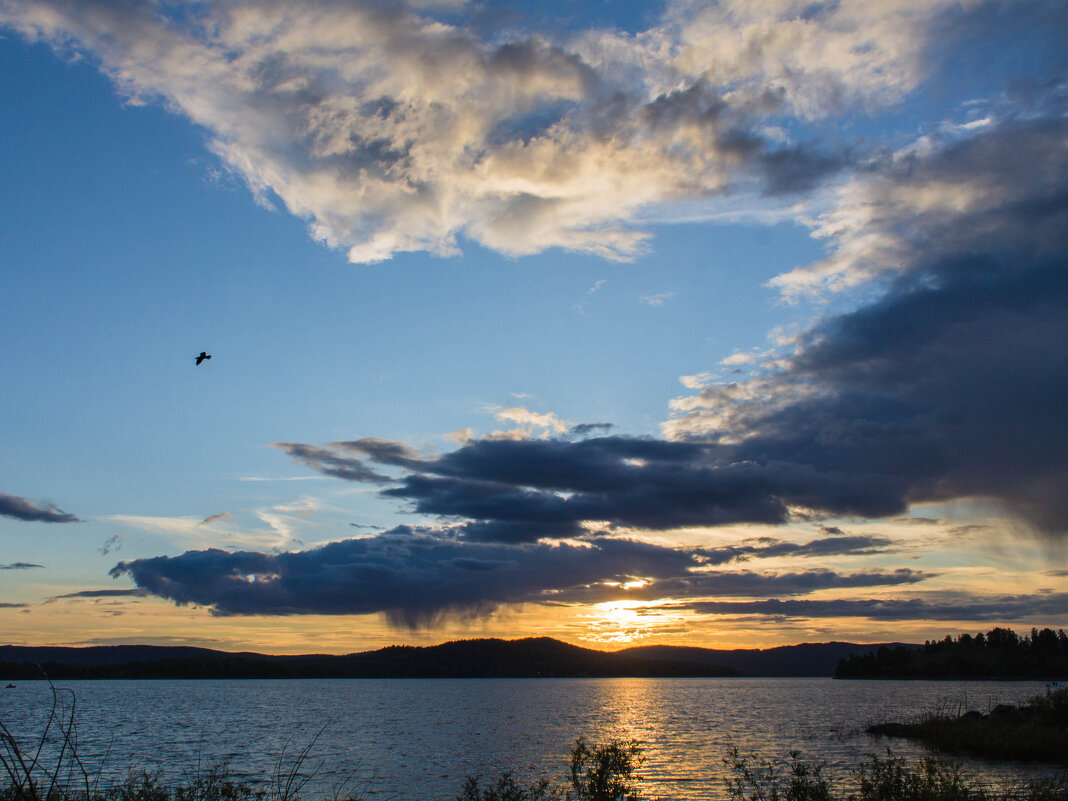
<point x="102" y="594"/>
<point x="410" y="576"/>
<point x="22" y="509"/>
<point x="331" y="463"/>
<point x="416" y="578"/>
<point x="742" y="583"/>
<point x="524" y="490"/>
<point x="586" y="429"/>
<point x="1007" y="607"/>
<point x="945" y="384"/>
<point x="766" y="548"/>
<point x="4" y="605"/>
<point x="19" y="566"/>
<point x="112" y="543"/>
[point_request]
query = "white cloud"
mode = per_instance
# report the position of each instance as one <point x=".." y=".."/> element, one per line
<point x="657" y="299"/>
<point x="696" y="381"/>
<point x="528" y="423"/>
<point x="222" y="531"/>
<point x="389" y="130"/>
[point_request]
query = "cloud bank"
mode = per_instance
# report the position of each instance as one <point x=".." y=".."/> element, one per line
<point x="418" y="577"/>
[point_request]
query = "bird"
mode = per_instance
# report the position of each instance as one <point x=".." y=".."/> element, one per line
<point x="203" y="355"/>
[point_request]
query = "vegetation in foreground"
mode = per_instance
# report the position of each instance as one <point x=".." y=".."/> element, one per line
<point x="606" y="773"/>
<point x="999" y="654"/>
<point x="1035" y="732"/>
<point x="880" y="779"/>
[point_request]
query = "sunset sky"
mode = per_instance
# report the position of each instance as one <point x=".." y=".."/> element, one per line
<point x="729" y="324"/>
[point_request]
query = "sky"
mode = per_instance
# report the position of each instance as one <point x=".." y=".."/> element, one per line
<point x="730" y="324"/>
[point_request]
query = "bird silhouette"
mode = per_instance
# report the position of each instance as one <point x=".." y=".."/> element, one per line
<point x="203" y="355"/>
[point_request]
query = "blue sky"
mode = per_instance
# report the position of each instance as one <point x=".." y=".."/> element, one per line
<point x="765" y="248"/>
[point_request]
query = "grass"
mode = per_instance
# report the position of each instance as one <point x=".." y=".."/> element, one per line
<point x="1035" y="732"/>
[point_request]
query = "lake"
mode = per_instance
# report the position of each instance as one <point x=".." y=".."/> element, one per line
<point x="420" y="738"/>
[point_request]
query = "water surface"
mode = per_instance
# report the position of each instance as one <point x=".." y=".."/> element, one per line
<point x="419" y="738"/>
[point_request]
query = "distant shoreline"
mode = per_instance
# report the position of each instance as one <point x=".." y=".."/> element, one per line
<point x="540" y="657"/>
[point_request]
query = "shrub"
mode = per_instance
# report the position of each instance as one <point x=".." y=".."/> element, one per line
<point x="756" y="779"/>
<point x="598" y="773"/>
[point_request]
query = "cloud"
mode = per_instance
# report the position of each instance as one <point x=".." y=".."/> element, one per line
<point x="19" y="566"/>
<point x="527" y="422"/>
<point x="101" y="594"/>
<point x="411" y="576"/>
<point x="112" y="543"/>
<point x="586" y="429"/>
<point x="944" y="385"/>
<point x="656" y="300"/>
<point x="740" y="583"/>
<point x="523" y="490"/>
<point x="402" y="127"/>
<point x="696" y="381"/>
<point x="330" y="463"/>
<point x="769" y="548"/>
<point x="418" y="577"/>
<point x="942" y="382"/>
<point x="991" y="608"/>
<point x="277" y="531"/>
<point x="22" y="509"/>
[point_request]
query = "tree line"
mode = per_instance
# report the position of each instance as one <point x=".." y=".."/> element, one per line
<point x="1000" y="653"/>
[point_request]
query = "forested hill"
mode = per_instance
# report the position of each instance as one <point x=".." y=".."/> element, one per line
<point x="460" y="659"/>
<point x="806" y="659"/>
<point x="484" y="658"/>
<point x="998" y="654"/>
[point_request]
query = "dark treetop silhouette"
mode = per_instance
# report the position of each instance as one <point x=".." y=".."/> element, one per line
<point x="203" y="355"/>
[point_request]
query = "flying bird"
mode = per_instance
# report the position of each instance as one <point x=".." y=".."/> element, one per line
<point x="203" y="355"/>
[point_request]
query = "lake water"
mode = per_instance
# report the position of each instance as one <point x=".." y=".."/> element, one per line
<point x="419" y="739"/>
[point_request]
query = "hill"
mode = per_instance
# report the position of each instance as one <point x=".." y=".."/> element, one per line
<point x="484" y="658"/>
<point x="806" y="659"/>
